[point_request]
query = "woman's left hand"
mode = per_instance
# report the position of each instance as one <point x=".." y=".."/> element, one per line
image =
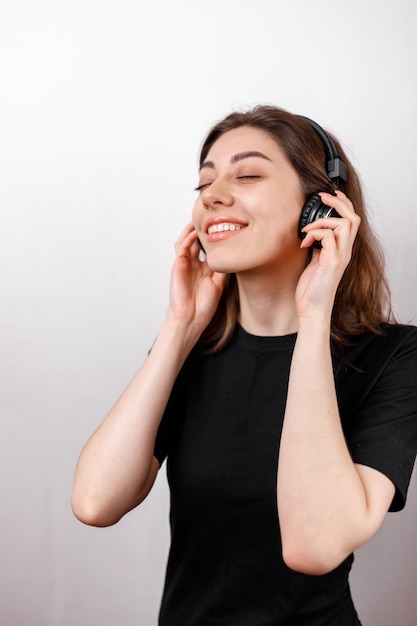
<point x="318" y="283"/>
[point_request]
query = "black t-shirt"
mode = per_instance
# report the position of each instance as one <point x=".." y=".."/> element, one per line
<point x="221" y="432"/>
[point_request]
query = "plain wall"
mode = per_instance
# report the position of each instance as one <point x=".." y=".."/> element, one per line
<point x="102" y="111"/>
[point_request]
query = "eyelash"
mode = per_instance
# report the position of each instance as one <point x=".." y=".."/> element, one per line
<point x="201" y="187"/>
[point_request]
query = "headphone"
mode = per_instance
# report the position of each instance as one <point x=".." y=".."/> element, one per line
<point x="314" y="208"/>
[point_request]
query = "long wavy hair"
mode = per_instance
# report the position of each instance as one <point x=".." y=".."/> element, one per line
<point x="363" y="300"/>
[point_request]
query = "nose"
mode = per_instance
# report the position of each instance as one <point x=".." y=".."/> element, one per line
<point x="217" y="194"/>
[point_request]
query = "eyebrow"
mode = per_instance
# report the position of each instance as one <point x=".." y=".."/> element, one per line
<point x="238" y="157"/>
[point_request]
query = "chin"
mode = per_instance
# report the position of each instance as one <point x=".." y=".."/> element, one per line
<point x="225" y="263"/>
<point x="222" y="268"/>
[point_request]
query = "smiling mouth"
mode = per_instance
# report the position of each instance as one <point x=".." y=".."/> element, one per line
<point x="223" y="227"/>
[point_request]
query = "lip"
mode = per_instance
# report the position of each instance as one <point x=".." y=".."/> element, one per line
<point x="219" y="219"/>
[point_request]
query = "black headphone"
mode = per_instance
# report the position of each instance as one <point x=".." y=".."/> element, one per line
<point x="314" y="208"/>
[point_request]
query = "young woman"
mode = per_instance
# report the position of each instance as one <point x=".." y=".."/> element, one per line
<point x="279" y="388"/>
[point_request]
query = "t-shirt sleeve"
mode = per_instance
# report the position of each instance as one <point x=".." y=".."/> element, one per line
<point x="381" y="430"/>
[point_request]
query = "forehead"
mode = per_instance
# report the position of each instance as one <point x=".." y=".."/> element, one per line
<point x="244" y="139"/>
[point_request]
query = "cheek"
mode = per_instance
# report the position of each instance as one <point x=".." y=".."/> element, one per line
<point x="196" y="216"/>
<point x="293" y="210"/>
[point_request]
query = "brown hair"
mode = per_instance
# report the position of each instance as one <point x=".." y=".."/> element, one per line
<point x="363" y="300"/>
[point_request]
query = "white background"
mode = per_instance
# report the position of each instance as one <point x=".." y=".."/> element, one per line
<point x="103" y="107"/>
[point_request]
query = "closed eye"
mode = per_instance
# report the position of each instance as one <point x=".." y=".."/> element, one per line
<point x="246" y="177"/>
<point x="201" y="187"/>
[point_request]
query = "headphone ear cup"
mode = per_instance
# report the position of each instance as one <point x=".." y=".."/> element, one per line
<point x="311" y="211"/>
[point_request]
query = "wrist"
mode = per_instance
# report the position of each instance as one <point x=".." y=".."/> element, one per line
<point x="318" y="326"/>
<point x="180" y="331"/>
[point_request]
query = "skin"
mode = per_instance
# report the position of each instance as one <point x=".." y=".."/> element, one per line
<point x="264" y="194"/>
<point x="343" y="504"/>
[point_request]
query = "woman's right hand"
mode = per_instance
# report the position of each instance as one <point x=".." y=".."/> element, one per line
<point x="195" y="289"/>
<point x="117" y="467"/>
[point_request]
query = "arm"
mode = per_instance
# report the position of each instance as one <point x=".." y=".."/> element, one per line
<point x="117" y="468"/>
<point x="328" y="506"/>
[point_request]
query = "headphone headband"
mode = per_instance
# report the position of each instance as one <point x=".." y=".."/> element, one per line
<point x="335" y="167"/>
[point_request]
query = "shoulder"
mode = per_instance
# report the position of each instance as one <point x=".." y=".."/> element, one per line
<point x="391" y="335"/>
<point x="381" y="361"/>
<point x="395" y="342"/>
<point x="398" y="334"/>
<point x="368" y="350"/>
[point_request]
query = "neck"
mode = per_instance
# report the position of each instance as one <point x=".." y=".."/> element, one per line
<point x="267" y="302"/>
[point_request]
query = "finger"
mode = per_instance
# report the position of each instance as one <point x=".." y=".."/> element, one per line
<point x="329" y="223"/>
<point x="323" y="235"/>
<point x="338" y="225"/>
<point x="346" y="224"/>
<point x="340" y="202"/>
<point x="185" y="232"/>
<point x="219" y="279"/>
<point x="184" y="244"/>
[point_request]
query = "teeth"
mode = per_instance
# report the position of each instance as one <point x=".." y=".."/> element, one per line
<point x="220" y="228"/>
